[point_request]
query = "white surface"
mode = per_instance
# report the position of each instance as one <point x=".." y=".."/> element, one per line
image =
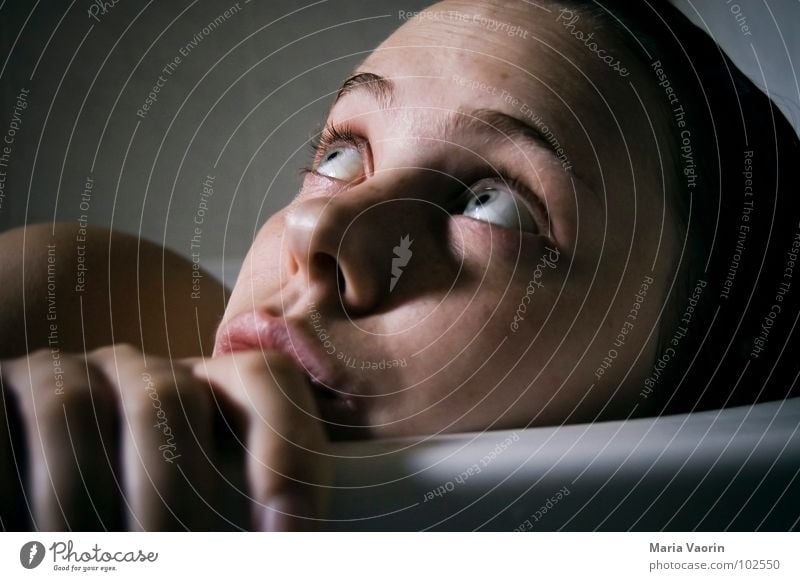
<point x="735" y="469"/>
<point x="761" y="38"/>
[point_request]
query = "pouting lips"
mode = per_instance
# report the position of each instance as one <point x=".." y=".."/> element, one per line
<point x="253" y="331"/>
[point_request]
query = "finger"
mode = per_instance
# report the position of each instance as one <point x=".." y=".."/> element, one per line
<point x="166" y="449"/>
<point x="14" y="513"/>
<point x="287" y="463"/>
<point x="69" y="417"/>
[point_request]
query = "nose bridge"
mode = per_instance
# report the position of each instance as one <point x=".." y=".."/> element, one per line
<point x="381" y="217"/>
<point x="332" y="224"/>
<point x="355" y="244"/>
<point x="387" y="207"/>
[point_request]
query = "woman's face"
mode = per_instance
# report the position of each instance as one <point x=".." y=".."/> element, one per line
<point x="484" y="241"/>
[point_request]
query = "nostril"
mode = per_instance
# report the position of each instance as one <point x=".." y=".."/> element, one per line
<point x="340" y="282"/>
<point x="292" y="264"/>
<point x="328" y="266"/>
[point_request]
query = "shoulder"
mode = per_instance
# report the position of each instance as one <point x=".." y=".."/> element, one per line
<point x="89" y="287"/>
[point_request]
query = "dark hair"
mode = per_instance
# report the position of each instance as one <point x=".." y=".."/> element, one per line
<point x="739" y="345"/>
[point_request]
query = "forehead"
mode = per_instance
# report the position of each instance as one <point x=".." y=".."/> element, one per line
<point x="492" y="41"/>
<point x="523" y="59"/>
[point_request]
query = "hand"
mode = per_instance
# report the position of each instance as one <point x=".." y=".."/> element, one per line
<point x="117" y="439"/>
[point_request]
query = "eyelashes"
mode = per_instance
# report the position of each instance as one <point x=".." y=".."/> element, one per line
<point x="330" y="136"/>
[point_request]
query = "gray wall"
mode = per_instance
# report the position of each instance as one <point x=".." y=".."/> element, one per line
<point x="762" y="37"/>
<point x="240" y="106"/>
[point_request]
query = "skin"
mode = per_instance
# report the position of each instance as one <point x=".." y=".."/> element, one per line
<point x="121" y="296"/>
<point x="449" y="316"/>
<point x="248" y="424"/>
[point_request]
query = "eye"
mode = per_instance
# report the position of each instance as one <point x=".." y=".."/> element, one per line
<point x="341" y="163"/>
<point x="497" y="204"/>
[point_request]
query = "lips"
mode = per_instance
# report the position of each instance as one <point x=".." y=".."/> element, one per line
<point x="253" y="331"/>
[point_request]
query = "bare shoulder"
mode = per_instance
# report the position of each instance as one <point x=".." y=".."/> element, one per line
<point x="73" y="289"/>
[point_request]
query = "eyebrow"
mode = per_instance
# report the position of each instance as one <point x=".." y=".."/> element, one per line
<point x="381" y="90"/>
<point x="509" y="126"/>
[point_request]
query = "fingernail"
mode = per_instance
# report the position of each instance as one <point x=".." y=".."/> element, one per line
<point x="285" y="512"/>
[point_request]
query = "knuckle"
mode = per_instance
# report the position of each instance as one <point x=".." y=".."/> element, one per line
<point x="168" y="392"/>
<point x="38" y="356"/>
<point x="156" y="386"/>
<point x="48" y="381"/>
<point x="127" y="350"/>
<point x="119" y="353"/>
<point x="28" y="369"/>
<point x="76" y="386"/>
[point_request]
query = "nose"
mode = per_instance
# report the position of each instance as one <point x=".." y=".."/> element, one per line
<point x="343" y="249"/>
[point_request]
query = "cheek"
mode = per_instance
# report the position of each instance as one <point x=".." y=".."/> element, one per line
<point x="479" y="245"/>
<point x="261" y="268"/>
<point x="466" y="342"/>
<point x="504" y="308"/>
<point x="507" y="285"/>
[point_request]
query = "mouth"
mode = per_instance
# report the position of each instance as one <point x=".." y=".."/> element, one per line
<point x="253" y="331"/>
